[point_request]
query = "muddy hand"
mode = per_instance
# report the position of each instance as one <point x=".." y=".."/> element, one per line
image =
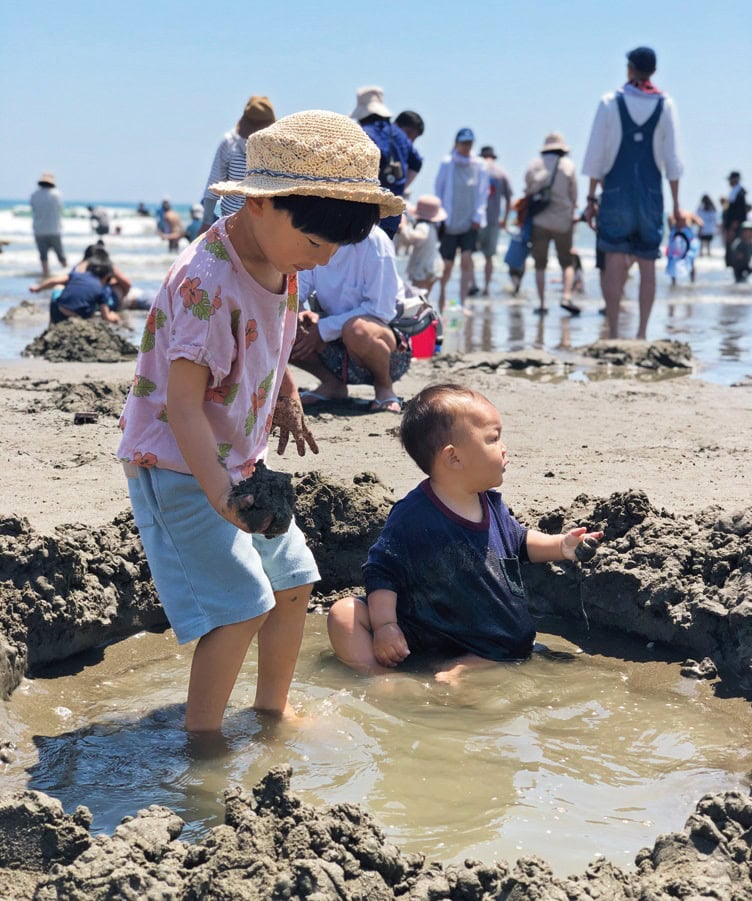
<point x="289" y="419"/>
<point x="579" y="544"/>
<point x="240" y="511"/>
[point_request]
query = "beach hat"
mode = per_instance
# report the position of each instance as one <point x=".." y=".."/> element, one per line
<point x="488" y="152"/>
<point x="314" y="153"/>
<point x="643" y="59"/>
<point x="370" y="102"/>
<point x="463" y="135"/>
<point x="47" y="179"/>
<point x="554" y="141"/>
<point x="429" y="207"/>
<point x="259" y="111"/>
<point x="734" y="174"/>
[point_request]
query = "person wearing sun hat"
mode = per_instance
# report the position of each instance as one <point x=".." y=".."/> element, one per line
<point x="212" y="382"/>
<point x="633" y="142"/>
<point x="47" y="223"/>
<point x="229" y="159"/>
<point x="400" y="162"/>
<point x="422" y="236"/>
<point x="462" y="186"/>
<point x="555" y="222"/>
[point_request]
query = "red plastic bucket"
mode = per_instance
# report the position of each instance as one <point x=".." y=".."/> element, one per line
<point x="424" y="344"/>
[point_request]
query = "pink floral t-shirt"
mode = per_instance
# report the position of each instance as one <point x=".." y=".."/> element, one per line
<point x="211" y="311"/>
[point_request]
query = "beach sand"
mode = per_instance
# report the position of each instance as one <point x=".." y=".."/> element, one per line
<point x="659" y="436"/>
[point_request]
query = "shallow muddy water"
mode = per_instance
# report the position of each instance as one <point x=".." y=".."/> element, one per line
<point x="566" y="757"/>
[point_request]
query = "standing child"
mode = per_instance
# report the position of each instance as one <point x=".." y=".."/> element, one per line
<point x="211" y="382"/>
<point x="424" y="265"/>
<point x="444" y="577"/>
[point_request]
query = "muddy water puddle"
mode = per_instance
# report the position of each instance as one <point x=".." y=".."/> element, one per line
<point x="567" y="758"/>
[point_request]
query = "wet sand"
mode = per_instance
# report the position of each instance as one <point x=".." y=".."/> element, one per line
<point x="660" y="459"/>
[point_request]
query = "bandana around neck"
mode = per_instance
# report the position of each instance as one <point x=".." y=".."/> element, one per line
<point x="645" y="87"/>
<point x="457" y="157"/>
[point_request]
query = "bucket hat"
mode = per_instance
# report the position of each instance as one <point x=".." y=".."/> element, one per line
<point x="370" y="102"/>
<point x="47" y="178"/>
<point x="733" y="174"/>
<point x="259" y="111"/>
<point x="429" y="207"/>
<point x="554" y="141"/>
<point x="314" y="153"/>
<point x="487" y="152"/>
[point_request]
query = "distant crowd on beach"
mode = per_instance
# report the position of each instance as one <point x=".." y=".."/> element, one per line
<point x="632" y="145"/>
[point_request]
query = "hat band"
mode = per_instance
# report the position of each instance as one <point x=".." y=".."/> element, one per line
<point x="295" y="176"/>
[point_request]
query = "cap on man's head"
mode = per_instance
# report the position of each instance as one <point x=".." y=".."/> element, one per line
<point x="734" y="174"/>
<point x="488" y="152"/>
<point x="259" y="109"/>
<point x="643" y="59"/>
<point x="464" y="135"/>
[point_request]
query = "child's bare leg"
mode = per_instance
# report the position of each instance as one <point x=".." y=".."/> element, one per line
<point x="350" y="634"/>
<point x="216" y="663"/>
<point x="279" y="642"/>
<point x="452" y="670"/>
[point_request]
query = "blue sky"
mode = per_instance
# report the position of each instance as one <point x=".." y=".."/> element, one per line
<point x="128" y="101"/>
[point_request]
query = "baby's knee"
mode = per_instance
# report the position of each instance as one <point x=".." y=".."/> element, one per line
<point x="345" y="612"/>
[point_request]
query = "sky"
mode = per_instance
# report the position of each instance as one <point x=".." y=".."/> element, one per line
<point x="128" y="102"/>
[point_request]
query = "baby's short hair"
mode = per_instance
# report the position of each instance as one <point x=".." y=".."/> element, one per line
<point x="429" y="419"/>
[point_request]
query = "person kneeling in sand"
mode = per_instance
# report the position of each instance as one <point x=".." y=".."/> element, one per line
<point x="443" y="581"/>
<point x="84" y="293"/>
<point x="347" y="340"/>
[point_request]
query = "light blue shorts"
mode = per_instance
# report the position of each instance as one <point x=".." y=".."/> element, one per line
<point x="207" y="572"/>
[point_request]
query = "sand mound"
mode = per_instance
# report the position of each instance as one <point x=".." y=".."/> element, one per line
<point x="81" y="340"/>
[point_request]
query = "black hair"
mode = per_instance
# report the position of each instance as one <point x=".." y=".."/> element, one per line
<point x="411" y="119"/>
<point x="429" y="418"/>
<point x="371" y="118"/>
<point x="336" y="221"/>
<point x="707" y="203"/>
<point x="102" y="269"/>
<point x="97" y="252"/>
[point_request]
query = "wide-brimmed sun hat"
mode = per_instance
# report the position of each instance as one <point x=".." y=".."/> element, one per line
<point x="554" y="141"/>
<point x="370" y="102"/>
<point x="315" y="153"/>
<point x="47" y="179"/>
<point x="258" y="111"/>
<point x="429" y="208"/>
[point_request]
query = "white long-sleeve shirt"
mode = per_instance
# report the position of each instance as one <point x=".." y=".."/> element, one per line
<point x="475" y="181"/>
<point x="605" y="136"/>
<point x="359" y="280"/>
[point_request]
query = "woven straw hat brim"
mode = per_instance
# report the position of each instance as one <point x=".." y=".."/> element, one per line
<point x="279" y="186"/>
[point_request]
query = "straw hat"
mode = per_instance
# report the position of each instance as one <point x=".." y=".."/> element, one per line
<point x="370" y="102"/>
<point x="314" y="153"/>
<point x="47" y="179"/>
<point x="554" y="141"/>
<point x="429" y="208"/>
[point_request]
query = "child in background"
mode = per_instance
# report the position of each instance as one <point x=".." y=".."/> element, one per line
<point x="212" y="382"/>
<point x="424" y="265"/>
<point x="682" y="247"/>
<point x="444" y="577"/>
<point x="85" y="293"/>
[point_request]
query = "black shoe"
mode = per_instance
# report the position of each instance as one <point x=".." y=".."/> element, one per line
<point x="473" y="290"/>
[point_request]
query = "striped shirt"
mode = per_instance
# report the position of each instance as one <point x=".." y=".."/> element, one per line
<point x="229" y="165"/>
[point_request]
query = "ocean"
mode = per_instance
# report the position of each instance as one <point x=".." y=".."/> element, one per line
<point x="713" y="315"/>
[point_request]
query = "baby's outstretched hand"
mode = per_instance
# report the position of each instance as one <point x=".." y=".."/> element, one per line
<point x="389" y="645"/>
<point x="579" y="544"/>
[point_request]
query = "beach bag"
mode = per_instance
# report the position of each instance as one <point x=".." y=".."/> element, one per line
<point x="415" y="314"/>
<point x="538" y="202"/>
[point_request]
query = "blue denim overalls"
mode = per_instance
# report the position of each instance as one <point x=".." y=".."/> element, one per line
<point x="630" y="219"/>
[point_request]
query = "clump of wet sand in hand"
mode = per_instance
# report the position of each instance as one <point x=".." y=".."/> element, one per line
<point x="273" y="500"/>
<point x="82" y="341"/>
